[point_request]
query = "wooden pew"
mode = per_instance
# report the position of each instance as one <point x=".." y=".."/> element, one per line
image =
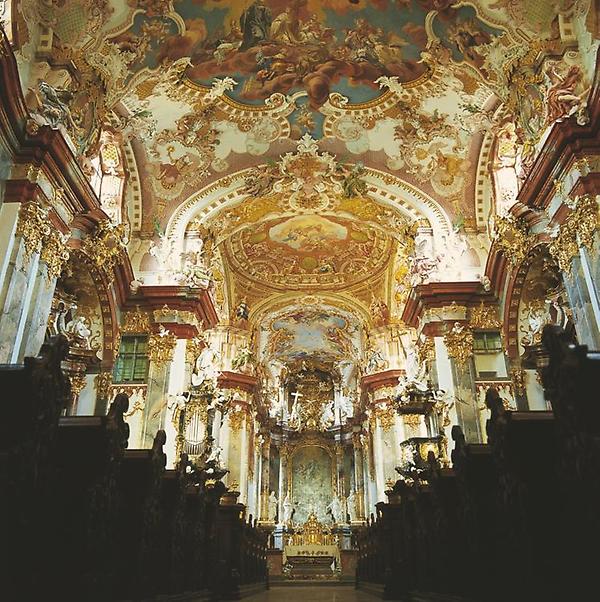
<point x="570" y="375"/>
<point x="524" y="446"/>
<point x="448" y="544"/>
<point x="139" y="559"/>
<point x="477" y="494"/>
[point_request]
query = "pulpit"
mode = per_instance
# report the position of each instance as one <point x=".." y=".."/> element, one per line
<point x="311" y="552"/>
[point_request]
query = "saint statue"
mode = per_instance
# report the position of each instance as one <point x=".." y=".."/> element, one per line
<point x="78" y="332"/>
<point x="272" y="507"/>
<point x="351" y="504"/>
<point x="206" y="367"/>
<point x="335" y="510"/>
<point x="288" y="510"/>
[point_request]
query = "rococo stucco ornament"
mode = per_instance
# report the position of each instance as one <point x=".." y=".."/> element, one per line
<point x="577" y="231"/>
<point x="459" y="342"/>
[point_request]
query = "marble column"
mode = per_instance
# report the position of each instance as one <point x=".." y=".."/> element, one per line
<point x="283" y="480"/>
<point x="158" y="383"/>
<point x="379" y="461"/>
<point x="17" y="287"/>
<point x="339" y="469"/>
<point x="176" y="386"/>
<point x="399" y="436"/>
<point x="244" y="461"/>
<point x="370" y="476"/>
<point x="359" y="484"/>
<point x="224" y="441"/>
<point x="443" y="366"/>
<point x="265" y="469"/>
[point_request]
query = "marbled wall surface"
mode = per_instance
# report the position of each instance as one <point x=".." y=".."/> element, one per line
<point x="4" y="171"/>
<point x="13" y="297"/>
<point x="312" y="487"/>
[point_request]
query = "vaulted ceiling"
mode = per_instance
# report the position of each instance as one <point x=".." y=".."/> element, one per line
<point x="312" y="136"/>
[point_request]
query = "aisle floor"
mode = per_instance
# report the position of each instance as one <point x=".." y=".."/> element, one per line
<point x="312" y="594"/>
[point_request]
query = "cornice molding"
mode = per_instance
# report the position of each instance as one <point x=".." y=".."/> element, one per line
<point x="442" y="294"/>
<point x="182" y="298"/>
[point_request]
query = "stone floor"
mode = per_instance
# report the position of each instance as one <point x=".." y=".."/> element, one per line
<point x="312" y="594"/>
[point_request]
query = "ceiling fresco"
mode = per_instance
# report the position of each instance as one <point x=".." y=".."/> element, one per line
<point x="296" y="108"/>
<point x="309" y="251"/>
<point x="320" y="333"/>
<point x="203" y="88"/>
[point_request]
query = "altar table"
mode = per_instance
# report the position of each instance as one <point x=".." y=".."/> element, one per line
<point x="312" y="550"/>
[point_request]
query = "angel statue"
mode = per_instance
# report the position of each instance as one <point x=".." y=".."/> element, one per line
<point x="243" y="358"/>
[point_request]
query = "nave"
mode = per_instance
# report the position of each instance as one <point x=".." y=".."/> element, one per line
<point x="296" y="292"/>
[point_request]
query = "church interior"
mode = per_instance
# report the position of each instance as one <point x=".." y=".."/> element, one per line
<point x="299" y="299"/>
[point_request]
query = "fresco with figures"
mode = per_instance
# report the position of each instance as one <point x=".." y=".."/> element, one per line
<point x="320" y="333"/>
<point x="312" y="486"/>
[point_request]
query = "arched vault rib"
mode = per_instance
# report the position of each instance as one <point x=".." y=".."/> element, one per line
<point x="409" y="201"/>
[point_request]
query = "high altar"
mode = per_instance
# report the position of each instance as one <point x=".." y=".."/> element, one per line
<point x="311" y="552"/>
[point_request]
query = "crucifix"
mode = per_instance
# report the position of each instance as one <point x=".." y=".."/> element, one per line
<point x="295" y="414"/>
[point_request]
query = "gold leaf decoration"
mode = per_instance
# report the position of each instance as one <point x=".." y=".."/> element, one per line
<point x="577" y="231"/>
<point x="485" y="317"/>
<point x="459" y="342"/>
<point x="161" y="347"/>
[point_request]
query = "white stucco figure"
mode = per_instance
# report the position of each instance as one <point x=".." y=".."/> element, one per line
<point x="215" y="455"/>
<point x="272" y="507"/>
<point x="288" y="509"/>
<point x="78" y="332"/>
<point x="328" y="416"/>
<point x="351" y="504"/>
<point x="206" y="367"/>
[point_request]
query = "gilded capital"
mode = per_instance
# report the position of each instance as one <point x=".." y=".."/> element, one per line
<point x="459" y="342"/>
<point x="161" y="347"/>
<point x="104" y="246"/>
<point x="512" y="238"/>
<point x="577" y="231"/>
<point x="33" y="227"/>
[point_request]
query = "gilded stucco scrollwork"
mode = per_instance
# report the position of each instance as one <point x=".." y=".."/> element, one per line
<point x="135" y="322"/>
<point x="55" y="253"/>
<point x="577" y="231"/>
<point x="161" y="347"/>
<point x="104" y="246"/>
<point x="512" y="237"/>
<point x="103" y="383"/>
<point x="459" y="342"/>
<point x="484" y="317"/>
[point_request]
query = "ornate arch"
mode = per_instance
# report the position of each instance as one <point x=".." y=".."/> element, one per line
<point x="384" y="188"/>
